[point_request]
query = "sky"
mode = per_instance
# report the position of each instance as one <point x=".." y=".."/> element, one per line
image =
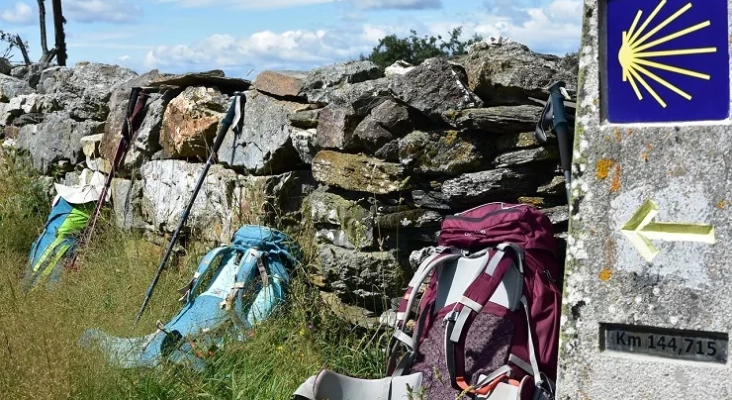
<point x="245" y="37"/>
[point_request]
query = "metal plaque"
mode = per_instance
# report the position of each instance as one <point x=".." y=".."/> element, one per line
<point x="667" y="343"/>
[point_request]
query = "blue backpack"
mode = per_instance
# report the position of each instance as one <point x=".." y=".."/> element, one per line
<point x="250" y="281"/>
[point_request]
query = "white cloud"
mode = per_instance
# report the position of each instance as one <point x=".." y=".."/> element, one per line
<point x="116" y="11"/>
<point x="247" y="4"/>
<point x="542" y="30"/>
<point x="123" y="58"/>
<point x="398" y="4"/>
<point x="19" y="13"/>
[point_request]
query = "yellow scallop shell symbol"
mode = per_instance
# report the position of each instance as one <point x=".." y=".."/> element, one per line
<point x="633" y="56"/>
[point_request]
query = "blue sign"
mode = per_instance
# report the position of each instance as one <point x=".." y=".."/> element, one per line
<point x="667" y="60"/>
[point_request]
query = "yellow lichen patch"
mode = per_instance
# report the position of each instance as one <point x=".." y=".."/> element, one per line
<point x="618" y="137"/>
<point x="605" y="274"/>
<point x="723" y="203"/>
<point x="616" y="179"/>
<point x="532" y="201"/>
<point x="644" y="156"/>
<point x="603" y="168"/>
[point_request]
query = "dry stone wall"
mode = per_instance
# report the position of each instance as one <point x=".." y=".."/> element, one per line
<point x="365" y="162"/>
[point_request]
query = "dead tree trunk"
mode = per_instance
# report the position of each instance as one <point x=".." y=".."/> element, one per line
<point x="42" y="24"/>
<point x="58" y="26"/>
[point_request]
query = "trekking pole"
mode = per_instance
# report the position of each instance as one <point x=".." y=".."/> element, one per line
<point x="233" y="117"/>
<point x="562" y="128"/>
<point x="134" y="107"/>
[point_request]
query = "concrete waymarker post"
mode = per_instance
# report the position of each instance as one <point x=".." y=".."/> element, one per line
<point x="647" y="308"/>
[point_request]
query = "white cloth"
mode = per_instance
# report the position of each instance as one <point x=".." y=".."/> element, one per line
<point x="89" y="188"/>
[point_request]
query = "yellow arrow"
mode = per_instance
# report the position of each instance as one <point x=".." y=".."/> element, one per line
<point x="640" y="231"/>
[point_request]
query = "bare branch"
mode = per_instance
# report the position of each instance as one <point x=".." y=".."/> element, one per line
<point x="19" y="44"/>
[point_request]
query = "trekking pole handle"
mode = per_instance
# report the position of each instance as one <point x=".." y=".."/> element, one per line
<point x="562" y="129"/>
<point x="226" y="122"/>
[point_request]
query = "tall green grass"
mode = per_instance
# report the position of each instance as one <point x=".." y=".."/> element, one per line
<point x="39" y="331"/>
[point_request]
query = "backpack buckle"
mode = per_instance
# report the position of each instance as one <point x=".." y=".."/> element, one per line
<point x="450" y="317"/>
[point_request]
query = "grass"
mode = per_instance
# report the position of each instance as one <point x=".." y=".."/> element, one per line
<point x="39" y="330"/>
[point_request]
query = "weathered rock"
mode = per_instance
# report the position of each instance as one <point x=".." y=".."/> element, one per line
<point x="431" y="200"/>
<point x="304" y="142"/>
<point x="406" y="220"/>
<point x="362" y="97"/>
<point x="516" y="140"/>
<point x="320" y="81"/>
<point x="85" y="89"/>
<point x="127" y="198"/>
<point x="55" y="139"/>
<point x="340" y="222"/>
<point x="393" y="117"/>
<point x="389" y="151"/>
<point x="149" y="133"/>
<point x="509" y="73"/>
<point x="5" y="66"/>
<point x="265" y="145"/>
<point x="280" y="83"/>
<point x="190" y="122"/>
<point x="481" y="187"/>
<point x="370" y="135"/>
<point x="526" y="156"/>
<point x="167" y="188"/>
<point x="502" y="119"/>
<point x="30" y="74"/>
<point x="214" y="79"/>
<point x="442" y="152"/>
<point x="366" y="279"/>
<point x="400" y="67"/>
<point x="146" y="140"/>
<point x="555" y="187"/>
<point x="305" y="119"/>
<point x="358" y="172"/>
<point x="336" y="126"/>
<point x="558" y="215"/>
<point x="435" y="88"/>
<point x="90" y="145"/>
<point x="13" y="87"/>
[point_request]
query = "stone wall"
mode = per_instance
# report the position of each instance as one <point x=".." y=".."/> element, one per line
<point x="364" y="162"/>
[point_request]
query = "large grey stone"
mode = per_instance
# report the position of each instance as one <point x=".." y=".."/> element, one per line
<point x="628" y="275"/>
<point x="320" y="81"/>
<point x="56" y="139"/>
<point x="340" y="222"/>
<point x="13" y="87"/>
<point x="508" y="73"/>
<point x="501" y="119"/>
<point x="167" y="188"/>
<point x="127" y="198"/>
<point x="336" y="126"/>
<point x="265" y="145"/>
<point x="85" y="89"/>
<point x="526" y="156"/>
<point x="493" y="185"/>
<point x="443" y="152"/>
<point x="366" y="279"/>
<point x="434" y="88"/>
<point x="358" y="172"/>
<point x="118" y="101"/>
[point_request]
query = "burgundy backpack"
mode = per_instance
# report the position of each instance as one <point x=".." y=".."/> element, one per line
<point x="487" y="325"/>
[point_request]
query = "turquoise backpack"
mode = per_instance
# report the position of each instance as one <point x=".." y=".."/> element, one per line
<point x="249" y="283"/>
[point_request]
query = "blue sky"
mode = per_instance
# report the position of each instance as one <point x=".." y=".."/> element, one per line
<point x="245" y="37"/>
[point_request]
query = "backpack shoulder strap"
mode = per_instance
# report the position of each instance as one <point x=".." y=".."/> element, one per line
<point x="475" y="297"/>
<point x="442" y="255"/>
<point x="203" y="267"/>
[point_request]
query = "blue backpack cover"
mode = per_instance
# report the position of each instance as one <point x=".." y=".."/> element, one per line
<point x="249" y="283"/>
